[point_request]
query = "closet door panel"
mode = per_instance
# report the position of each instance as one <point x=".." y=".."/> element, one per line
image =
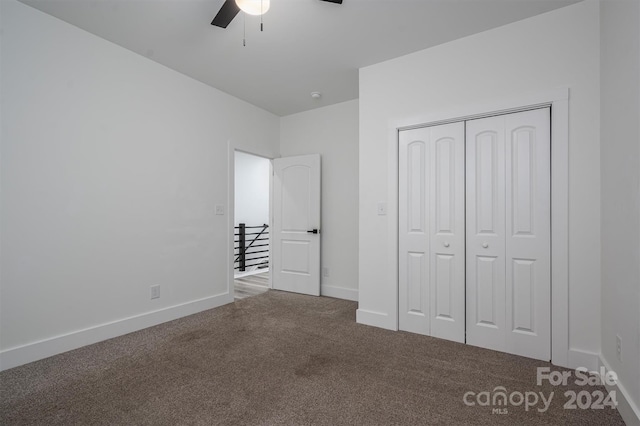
<point x="508" y="233"/>
<point x="447" y="232"/>
<point x="431" y="231"/>
<point x="485" y="234"/>
<point x="528" y="243"/>
<point x="413" y="243"/>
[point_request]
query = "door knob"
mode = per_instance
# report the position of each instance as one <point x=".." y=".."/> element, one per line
<point x="485" y="245"/>
<point x="446" y="244"/>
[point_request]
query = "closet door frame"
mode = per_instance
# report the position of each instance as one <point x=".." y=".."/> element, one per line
<point x="558" y="100"/>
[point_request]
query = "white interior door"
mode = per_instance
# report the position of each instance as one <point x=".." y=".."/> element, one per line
<point x="508" y="233"/>
<point x="431" y="238"/>
<point x="296" y="224"/>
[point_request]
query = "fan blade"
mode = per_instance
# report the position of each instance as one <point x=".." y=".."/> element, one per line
<point x="334" y="1"/>
<point x="227" y="12"/>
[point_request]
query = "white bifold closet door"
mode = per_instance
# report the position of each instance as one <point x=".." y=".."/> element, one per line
<point x="431" y="231"/>
<point x="508" y="228"/>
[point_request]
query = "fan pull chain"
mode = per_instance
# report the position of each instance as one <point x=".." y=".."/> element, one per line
<point x="244" y="29"/>
<point x="261" y="15"/>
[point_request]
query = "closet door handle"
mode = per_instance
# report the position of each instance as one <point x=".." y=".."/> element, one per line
<point x="485" y="245"/>
<point x="446" y="244"/>
<point x="313" y="231"/>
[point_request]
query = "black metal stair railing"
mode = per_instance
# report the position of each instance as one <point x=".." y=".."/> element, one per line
<point x="251" y="246"/>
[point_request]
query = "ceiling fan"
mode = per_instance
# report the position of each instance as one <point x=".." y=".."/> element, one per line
<point x="230" y="9"/>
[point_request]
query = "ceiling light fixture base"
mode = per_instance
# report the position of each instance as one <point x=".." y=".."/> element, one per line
<point x="254" y="7"/>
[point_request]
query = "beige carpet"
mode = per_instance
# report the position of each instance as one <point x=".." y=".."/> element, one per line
<point x="277" y="359"/>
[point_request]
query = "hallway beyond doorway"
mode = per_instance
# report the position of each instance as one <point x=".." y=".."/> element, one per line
<point x="250" y="285"/>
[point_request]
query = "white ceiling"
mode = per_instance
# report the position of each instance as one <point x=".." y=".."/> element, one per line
<point x="307" y="45"/>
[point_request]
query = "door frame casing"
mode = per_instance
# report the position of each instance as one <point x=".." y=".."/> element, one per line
<point x="558" y="100"/>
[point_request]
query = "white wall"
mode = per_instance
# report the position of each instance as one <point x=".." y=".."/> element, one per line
<point x="252" y="174"/>
<point x="620" y="162"/>
<point x="332" y="132"/>
<point x="111" y="168"/>
<point x="556" y="49"/>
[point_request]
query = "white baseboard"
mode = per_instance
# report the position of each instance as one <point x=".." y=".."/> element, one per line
<point x="627" y="407"/>
<point x="577" y="358"/>
<point x="339" y="292"/>
<point x="375" y="319"/>
<point x="30" y="352"/>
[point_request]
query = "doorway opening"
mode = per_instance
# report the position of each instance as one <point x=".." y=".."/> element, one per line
<point x="252" y="249"/>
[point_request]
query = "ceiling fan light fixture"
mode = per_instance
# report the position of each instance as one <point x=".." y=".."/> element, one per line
<point x="254" y="7"/>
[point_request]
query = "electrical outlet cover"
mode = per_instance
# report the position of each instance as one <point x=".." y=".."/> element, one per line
<point x="155" y="291"/>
